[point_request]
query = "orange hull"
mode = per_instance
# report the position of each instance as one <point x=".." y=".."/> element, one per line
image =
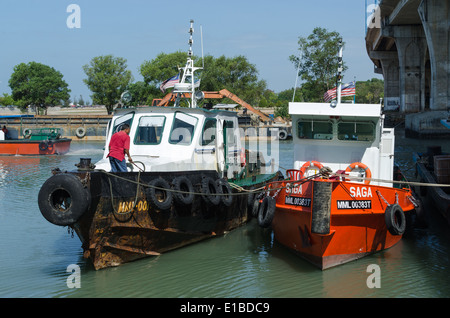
<point x="353" y="227"/>
<point x="35" y="147"/>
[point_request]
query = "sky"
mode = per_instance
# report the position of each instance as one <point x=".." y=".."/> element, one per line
<point x="265" y="32"/>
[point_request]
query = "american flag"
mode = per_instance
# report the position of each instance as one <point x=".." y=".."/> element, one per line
<point x="169" y="83"/>
<point x="348" y="89"/>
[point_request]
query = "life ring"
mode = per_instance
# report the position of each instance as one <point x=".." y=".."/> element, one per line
<point x="308" y="165"/>
<point x="27" y="133"/>
<point x="159" y="194"/>
<point x="80" y="132"/>
<point x="63" y="199"/>
<point x="210" y="191"/>
<point x="368" y="173"/>
<point x="266" y="212"/>
<point x="227" y="193"/>
<point x="183" y="184"/>
<point x="282" y="134"/>
<point x="43" y="146"/>
<point x="395" y="219"/>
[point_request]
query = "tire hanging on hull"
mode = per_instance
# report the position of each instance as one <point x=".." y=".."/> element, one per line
<point x="63" y="199"/>
<point x="185" y="196"/>
<point x="159" y="194"/>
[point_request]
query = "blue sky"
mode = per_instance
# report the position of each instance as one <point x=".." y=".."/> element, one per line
<point x="266" y="32"/>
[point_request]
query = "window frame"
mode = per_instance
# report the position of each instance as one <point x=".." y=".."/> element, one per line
<point x="138" y="127"/>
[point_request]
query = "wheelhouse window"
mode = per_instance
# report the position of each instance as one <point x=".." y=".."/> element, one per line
<point x="228" y="128"/>
<point x="356" y="131"/>
<point x="209" y="132"/>
<point x="125" y="119"/>
<point x="183" y="129"/>
<point x="150" y="129"/>
<point x="315" y="129"/>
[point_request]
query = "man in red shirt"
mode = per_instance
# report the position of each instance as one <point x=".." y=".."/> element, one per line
<point x="119" y="147"/>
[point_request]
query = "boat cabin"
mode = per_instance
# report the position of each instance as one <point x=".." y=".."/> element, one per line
<point x="179" y="139"/>
<point x="337" y="135"/>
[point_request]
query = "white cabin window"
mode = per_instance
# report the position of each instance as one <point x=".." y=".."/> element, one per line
<point x="125" y="119"/>
<point x="209" y="132"/>
<point x="315" y="129"/>
<point x="356" y="131"/>
<point x="150" y="129"/>
<point x="183" y="129"/>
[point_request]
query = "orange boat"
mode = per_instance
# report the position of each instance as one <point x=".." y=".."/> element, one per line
<point x="340" y="201"/>
<point x="44" y="141"/>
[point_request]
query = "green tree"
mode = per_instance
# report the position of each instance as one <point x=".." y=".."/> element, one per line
<point x="38" y="85"/>
<point x="7" y="100"/>
<point x="236" y="74"/>
<point x="318" y="64"/>
<point x="369" y="91"/>
<point x="107" y="78"/>
<point x="163" y="67"/>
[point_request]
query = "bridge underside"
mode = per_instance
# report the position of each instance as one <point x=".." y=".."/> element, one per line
<point x="409" y="44"/>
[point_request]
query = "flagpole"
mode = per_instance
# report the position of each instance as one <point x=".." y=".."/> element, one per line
<point x="296" y="78"/>
<point x="340" y="69"/>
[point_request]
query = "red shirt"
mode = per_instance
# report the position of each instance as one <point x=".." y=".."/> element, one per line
<point x="119" y="142"/>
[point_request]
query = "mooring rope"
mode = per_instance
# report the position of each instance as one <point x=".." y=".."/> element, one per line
<point x="325" y="173"/>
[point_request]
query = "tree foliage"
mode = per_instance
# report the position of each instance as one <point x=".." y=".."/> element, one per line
<point x="234" y="74"/>
<point x="38" y="85"/>
<point x="107" y="78"/>
<point x="370" y="91"/>
<point x="318" y="64"/>
<point x="6" y="100"/>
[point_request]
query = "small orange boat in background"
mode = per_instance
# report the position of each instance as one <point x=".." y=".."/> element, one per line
<point x="340" y="201"/>
<point x="43" y="141"/>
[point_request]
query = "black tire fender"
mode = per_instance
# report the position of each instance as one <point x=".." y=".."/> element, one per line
<point x="395" y="219"/>
<point x="210" y="191"/>
<point x="227" y="194"/>
<point x="160" y="194"/>
<point x="43" y="146"/>
<point x="255" y="208"/>
<point x="266" y="212"/>
<point x="63" y="199"/>
<point x="251" y="197"/>
<point x="183" y="184"/>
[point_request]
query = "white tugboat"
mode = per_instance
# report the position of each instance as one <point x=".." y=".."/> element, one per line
<point x="187" y="182"/>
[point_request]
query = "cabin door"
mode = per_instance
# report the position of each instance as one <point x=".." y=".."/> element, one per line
<point x="231" y="148"/>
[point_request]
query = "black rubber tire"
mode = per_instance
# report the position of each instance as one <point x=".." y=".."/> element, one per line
<point x="183" y="184"/>
<point x="63" y="199"/>
<point x="250" y="198"/>
<point x="395" y="219"/>
<point x="210" y="191"/>
<point x="225" y="189"/>
<point x="43" y="146"/>
<point x="266" y="212"/>
<point x="255" y="207"/>
<point x="160" y="199"/>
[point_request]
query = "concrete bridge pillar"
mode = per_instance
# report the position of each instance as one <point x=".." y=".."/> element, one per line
<point x="411" y="49"/>
<point x="435" y="17"/>
<point x="390" y="71"/>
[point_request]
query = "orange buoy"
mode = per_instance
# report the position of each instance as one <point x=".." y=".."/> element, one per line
<point x="359" y="165"/>
<point x="309" y="164"/>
